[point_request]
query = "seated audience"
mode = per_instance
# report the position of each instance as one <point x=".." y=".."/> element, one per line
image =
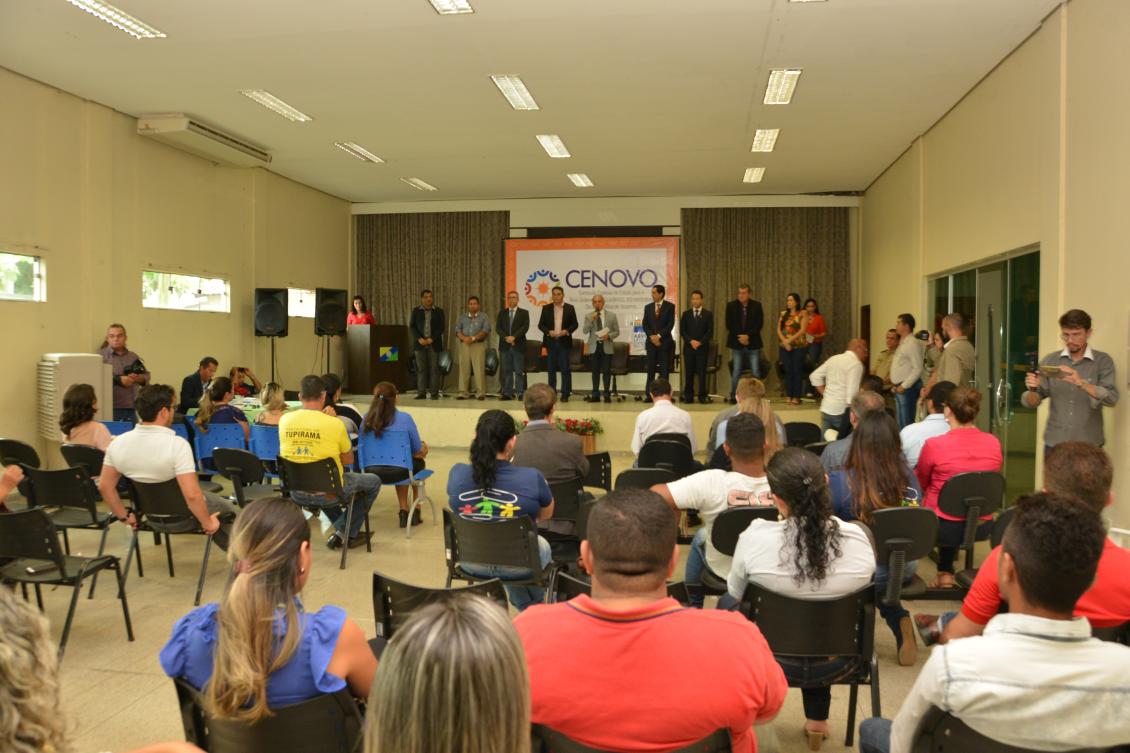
<point x="746" y="388"/>
<point x="964" y="448"/>
<point x="491" y="488"/>
<point x="152" y="453"/>
<point x="629" y="669"/>
<point x="807" y="554"/>
<point x="862" y="403"/>
<point x="877" y="477"/>
<point x="661" y="418"/>
<point x="935" y="423"/>
<point x="349" y="415"/>
<point x="712" y="492"/>
<point x="1071" y="468"/>
<point x="274" y="405"/>
<point x="452" y="678"/>
<point x="308" y="435"/>
<point x="868" y="382"/>
<point x="193" y="386"/>
<point x="384" y="416"/>
<point x="1036" y="679"/>
<point x="754" y="401"/>
<point x="557" y="454"/>
<point x="243" y="670"/>
<point x="244" y="382"/>
<point x="216" y="408"/>
<point x="77" y="422"/>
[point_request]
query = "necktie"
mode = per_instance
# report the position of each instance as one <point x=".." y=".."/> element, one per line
<point x="743" y="317"/>
<point x="511" y="321"/>
<point x="657" y="310"/>
<point x="599" y="326"/>
<point x="696" y="313"/>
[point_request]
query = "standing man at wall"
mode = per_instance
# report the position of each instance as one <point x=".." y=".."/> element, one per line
<point x="696" y="327"/>
<point x="428" y="326"/>
<point x="958" y="360"/>
<point x="744" y="319"/>
<point x="472" y="330"/>
<point x="658" y="322"/>
<point x="601" y="328"/>
<point x="558" y="322"/>
<point x="511" y="326"/>
<point x="129" y="372"/>
<point x="906" y="370"/>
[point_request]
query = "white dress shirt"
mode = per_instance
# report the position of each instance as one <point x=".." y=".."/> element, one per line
<point x="906" y="367"/>
<point x="1028" y="681"/>
<point x="839" y="376"/>
<point x="661" y="418"/>
<point x="914" y="435"/>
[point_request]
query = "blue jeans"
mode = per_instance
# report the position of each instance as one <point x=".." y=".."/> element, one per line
<point x="366" y="486"/>
<point x="558" y="360"/>
<point x="696" y="563"/>
<point x="895" y="612"/>
<point x="814" y="677"/>
<point x="513" y="364"/>
<point x="906" y="403"/>
<point x="520" y="596"/>
<point x="828" y="421"/>
<point x="739" y="357"/>
<point x="875" y="735"/>
<point x="125" y="414"/>
<point x="794" y="370"/>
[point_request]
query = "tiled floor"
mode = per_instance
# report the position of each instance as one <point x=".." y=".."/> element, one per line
<point x="117" y="697"/>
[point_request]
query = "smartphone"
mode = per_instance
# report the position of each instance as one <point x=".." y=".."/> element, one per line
<point x="39" y="569"/>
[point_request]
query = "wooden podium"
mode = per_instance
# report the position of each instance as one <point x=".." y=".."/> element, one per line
<point x="377" y="353"/>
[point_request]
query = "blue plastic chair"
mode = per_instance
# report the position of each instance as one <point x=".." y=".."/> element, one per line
<point x="391" y="450"/>
<point x="265" y="446"/>
<point x="118" y="427"/>
<point x="181" y="431"/>
<point x="218" y="435"/>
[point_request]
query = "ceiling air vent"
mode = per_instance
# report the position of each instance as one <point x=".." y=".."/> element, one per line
<point x="183" y="132"/>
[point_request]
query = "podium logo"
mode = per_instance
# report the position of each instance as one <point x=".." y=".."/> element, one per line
<point x="539" y="287"/>
<point x="388" y="355"/>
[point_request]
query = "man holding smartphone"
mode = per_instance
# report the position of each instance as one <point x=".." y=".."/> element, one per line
<point x="1078" y="380"/>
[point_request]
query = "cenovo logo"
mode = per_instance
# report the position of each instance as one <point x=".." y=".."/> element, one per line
<point x="539" y="287"/>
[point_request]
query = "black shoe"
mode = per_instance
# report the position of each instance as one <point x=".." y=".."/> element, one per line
<point x="705" y="400"/>
<point x="565" y="398"/>
<point x="403" y="518"/>
<point x="504" y="397"/>
<point x="334" y="541"/>
<point x="688" y="400"/>
<point x="592" y="398"/>
<point x="434" y="396"/>
<point x="416" y="519"/>
<point x="460" y="397"/>
<point x="608" y="398"/>
<point x="482" y="397"/>
<point x="360" y="540"/>
<point x="420" y="395"/>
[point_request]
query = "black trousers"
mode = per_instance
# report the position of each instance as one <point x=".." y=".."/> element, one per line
<point x="694" y="368"/>
<point x="558" y="361"/>
<point x="658" y="359"/>
<point x="601" y="364"/>
<point x="427" y="371"/>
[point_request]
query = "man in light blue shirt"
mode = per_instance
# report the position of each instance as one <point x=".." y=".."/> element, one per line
<point x="935" y="424"/>
<point x="472" y="330"/>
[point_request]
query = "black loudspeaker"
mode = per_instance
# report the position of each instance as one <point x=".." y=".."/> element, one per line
<point x="331" y="307"/>
<point x="270" y="312"/>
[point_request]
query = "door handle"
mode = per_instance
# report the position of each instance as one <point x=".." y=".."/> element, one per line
<point x="1002" y="395"/>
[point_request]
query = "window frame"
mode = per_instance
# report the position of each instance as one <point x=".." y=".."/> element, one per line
<point x="39" y="277"/>
<point x="197" y="277"/>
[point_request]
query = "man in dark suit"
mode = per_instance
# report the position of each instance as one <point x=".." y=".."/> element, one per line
<point x="428" y="325"/>
<point x="658" y="321"/>
<point x="744" y="319"/>
<point x="194" y="385"/>
<point x="557" y="323"/>
<point x="696" y="327"/>
<point x="512" y="324"/>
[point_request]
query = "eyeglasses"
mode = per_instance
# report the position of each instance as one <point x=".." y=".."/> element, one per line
<point x="1075" y="334"/>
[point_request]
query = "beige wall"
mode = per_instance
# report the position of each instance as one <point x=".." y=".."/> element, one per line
<point x="100" y="203"/>
<point x="1038" y="152"/>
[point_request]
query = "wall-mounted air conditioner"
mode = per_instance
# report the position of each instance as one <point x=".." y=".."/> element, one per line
<point x="57" y="372"/>
<point x="191" y="135"/>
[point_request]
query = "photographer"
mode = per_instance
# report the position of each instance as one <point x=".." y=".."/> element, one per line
<point x="130" y="373"/>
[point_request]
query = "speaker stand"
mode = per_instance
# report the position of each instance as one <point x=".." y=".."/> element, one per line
<point x="328" y="343"/>
<point x="272" y="359"/>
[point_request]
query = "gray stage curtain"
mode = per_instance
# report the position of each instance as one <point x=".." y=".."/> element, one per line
<point x="777" y="250"/>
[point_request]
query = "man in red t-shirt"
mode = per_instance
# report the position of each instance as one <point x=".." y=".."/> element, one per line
<point x="1074" y="468"/>
<point x="630" y="669"/>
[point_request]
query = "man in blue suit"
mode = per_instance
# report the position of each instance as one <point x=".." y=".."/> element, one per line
<point x="658" y="321"/>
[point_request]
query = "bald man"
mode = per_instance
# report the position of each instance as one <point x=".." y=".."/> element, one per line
<point x="600" y="329"/>
<point x="837" y="380"/>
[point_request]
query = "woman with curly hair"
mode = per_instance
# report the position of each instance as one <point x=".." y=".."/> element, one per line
<point x="77" y="422"/>
<point x="807" y="554"/>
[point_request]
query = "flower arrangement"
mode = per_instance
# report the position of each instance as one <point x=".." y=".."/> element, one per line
<point x="583" y="427"/>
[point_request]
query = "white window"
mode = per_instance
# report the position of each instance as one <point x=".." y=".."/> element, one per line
<point x="300" y="302"/>
<point x="22" y="278"/>
<point x="166" y="290"/>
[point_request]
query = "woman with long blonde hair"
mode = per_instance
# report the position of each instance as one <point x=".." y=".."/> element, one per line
<point x="453" y="678"/>
<point x="274" y="405"/>
<point x="756" y="403"/>
<point x="229" y="650"/>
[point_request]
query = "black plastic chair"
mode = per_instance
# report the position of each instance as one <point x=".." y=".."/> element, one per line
<point x="941" y="732"/>
<point x="546" y="740"/>
<point x="567" y="496"/>
<point x="801" y="433"/>
<point x="673" y="455"/>
<point x="245" y="470"/>
<point x="804" y="628"/>
<point x="85" y="456"/>
<point x="15" y="452"/>
<point x="971" y="496"/>
<point x="816" y="448"/>
<point x="644" y="478"/>
<point x="582" y="527"/>
<point x="511" y="542"/>
<point x="290" y="395"/>
<point x="671" y="436"/>
<point x="564" y="541"/>
<point x="322" y="478"/>
<point x="902" y="535"/>
<point x="1114" y="634"/>
<point x="619" y="366"/>
<point x="965" y="578"/>
<point x="567" y="586"/>
<point x="330" y="723"/>
<point x="394" y="600"/>
<point x="600" y="471"/>
<point x="728" y="526"/>
<point x="30" y="541"/>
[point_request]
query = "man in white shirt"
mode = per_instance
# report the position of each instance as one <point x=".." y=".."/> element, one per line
<point x="714" y="491"/>
<point x="906" y="370"/>
<point x="934" y="425"/>
<point x="837" y="379"/>
<point x="662" y="418"/>
<point x="1036" y="679"/>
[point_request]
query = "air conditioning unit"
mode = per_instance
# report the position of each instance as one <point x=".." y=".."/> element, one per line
<point x="57" y="372"/>
<point x="182" y="132"/>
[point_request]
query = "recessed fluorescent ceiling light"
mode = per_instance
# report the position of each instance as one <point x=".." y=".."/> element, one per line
<point x="580" y="180"/>
<point x="358" y="151"/>
<point x="419" y="185"/>
<point x="782" y="83"/>
<point x="515" y="92"/>
<point x="451" y="7"/>
<point x="118" y="18"/>
<point x="553" y="145"/>
<point x="808" y="1"/>
<point x="754" y="174"/>
<point x="764" y="139"/>
<point x="276" y="105"/>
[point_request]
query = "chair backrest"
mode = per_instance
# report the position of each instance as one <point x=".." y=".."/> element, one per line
<point x="971" y="496"/>
<point x="619" y="364"/>
<point x="801" y="433"/>
<point x="581" y="527"/>
<point x="902" y="535"/>
<point x="644" y="478"/>
<point x="546" y="740"/>
<point x="805" y="627"/>
<point x="394" y="600"/>
<point x="265" y="441"/>
<point x="729" y="525"/>
<point x="505" y="541"/>
<point x="664" y="453"/>
<point x="30" y="534"/>
<point x="318" y="477"/>
<point x="15" y="452"/>
<point x="576" y="355"/>
<point x="241" y="466"/>
<point x="68" y="487"/>
<point x="490" y="362"/>
<point x="85" y="456"/>
<point x="218" y="435"/>
<point x="1114" y="634"/>
<point x="600" y="471"/>
<point x="816" y="448"/>
<point x="328" y="723"/>
<point x="671" y="436"/>
<point x="567" y="586"/>
<point x="532" y="361"/>
<point x="567" y="499"/>
<point x="941" y="732"/>
<point x="1000" y="525"/>
<point x="181" y="431"/>
<point x="118" y="427"/>
<point x="161" y="503"/>
<point x="393" y="449"/>
<point x="290" y="395"/>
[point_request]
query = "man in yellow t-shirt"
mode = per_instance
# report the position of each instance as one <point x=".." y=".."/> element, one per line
<point x="308" y="435"/>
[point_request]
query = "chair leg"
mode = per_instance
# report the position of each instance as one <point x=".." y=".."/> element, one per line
<point x="169" y="554"/>
<point x="369" y="532"/>
<point x="70" y="617"/>
<point x="23" y="587"/>
<point x="122" y="595"/>
<point x="38" y="597"/>
<point x="876" y="709"/>
<point x="66" y="542"/>
<point x="853" y="699"/>
<point x="101" y="551"/>
<point x="203" y="569"/>
<point x="345" y="534"/>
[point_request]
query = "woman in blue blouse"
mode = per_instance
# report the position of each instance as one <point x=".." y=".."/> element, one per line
<point x="244" y="671"/>
<point x="383" y="416"/>
<point x="216" y="408"/>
